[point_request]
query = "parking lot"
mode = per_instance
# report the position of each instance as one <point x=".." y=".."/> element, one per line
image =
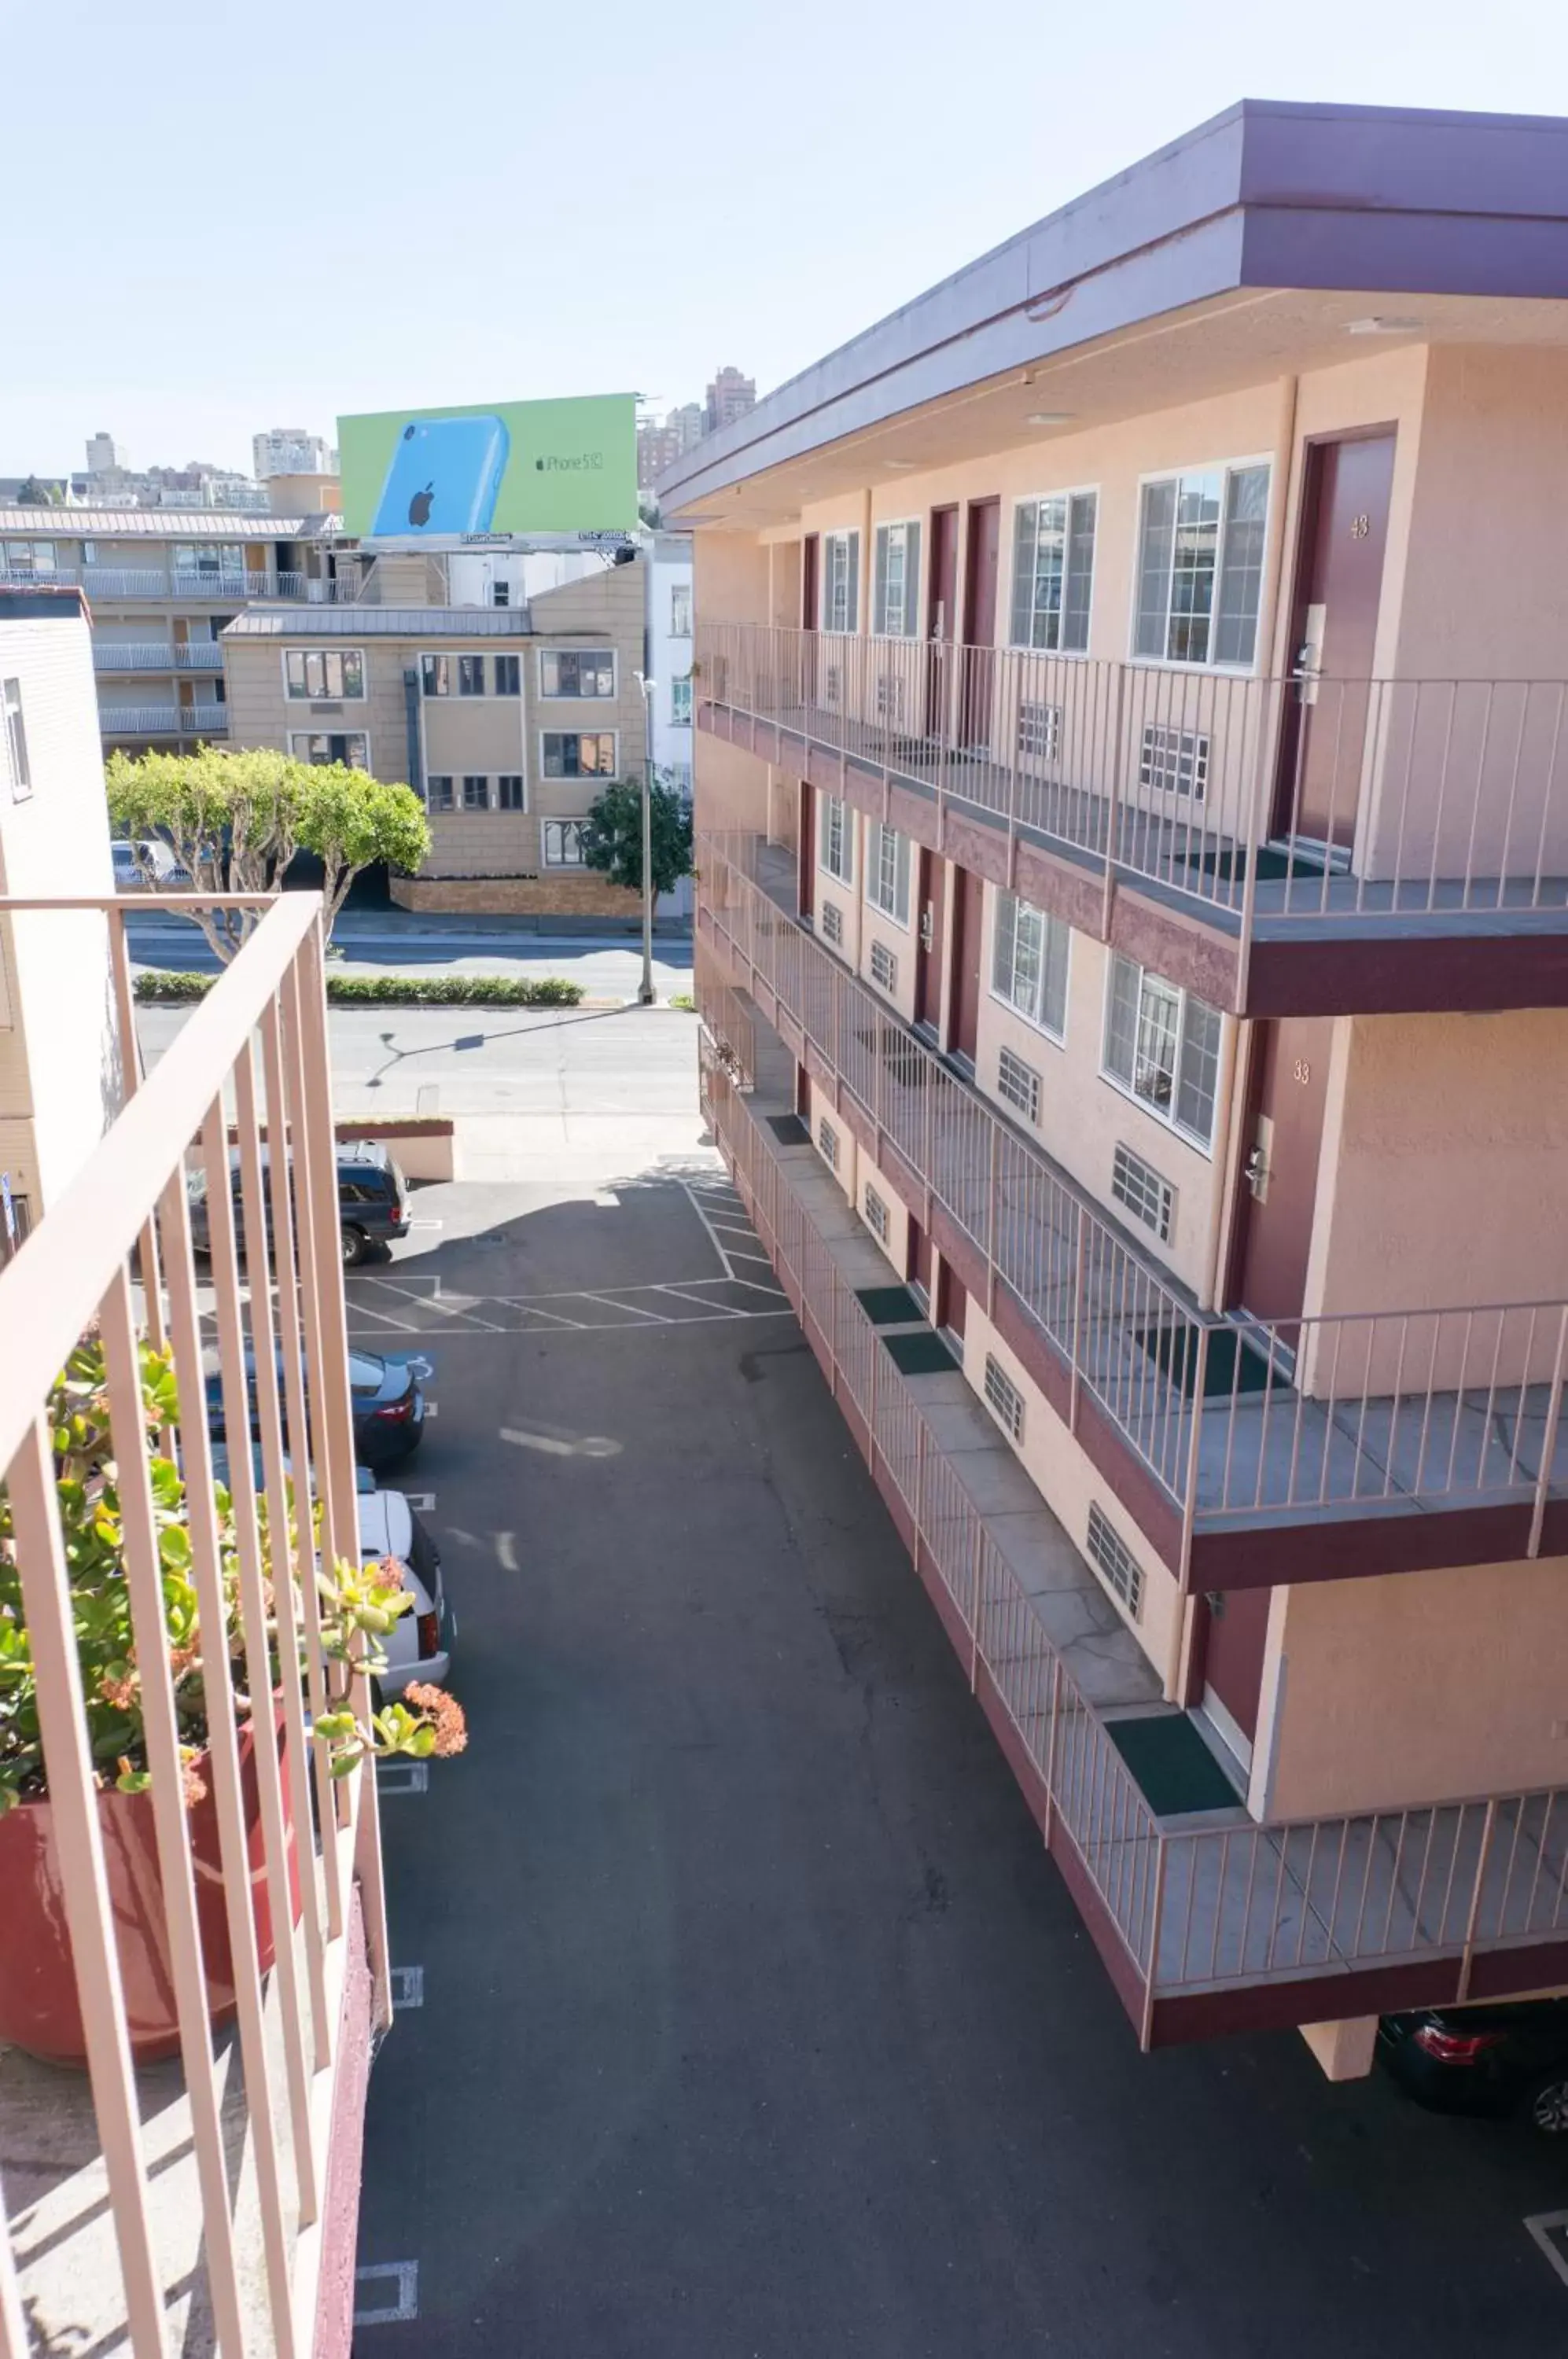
<point x="743" y="2011"/>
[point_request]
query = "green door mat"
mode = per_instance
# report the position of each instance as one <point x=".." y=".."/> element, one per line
<point x="888" y="1306"/>
<point x="1232" y="1363"/>
<point x="1170" y="1765"/>
<point x="920" y="1355"/>
<point x="789" y="1129"/>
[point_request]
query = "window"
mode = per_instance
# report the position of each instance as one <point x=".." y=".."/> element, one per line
<point x="577" y="672"/>
<point x="884" y="967"/>
<point x="1004" y="1398"/>
<point x="681" y="703"/>
<point x="840" y="582"/>
<point x="1040" y="732"/>
<point x="679" y="776"/>
<point x="888" y="872"/>
<point x="438" y="792"/>
<point x="1030" y="962"/>
<point x="895" y="602"/>
<point x="509" y="791"/>
<point x="318" y="748"/>
<point x="508" y="676"/>
<point x="471" y="675"/>
<point x="16" y="740"/>
<point x="476" y="793"/>
<point x="1174" y="761"/>
<point x="562" y="842"/>
<point x="210" y="561"/>
<point x="1148" y="1197"/>
<point x="27" y="561"/>
<point x="325" y="675"/>
<point x="435" y="673"/>
<point x="681" y="610"/>
<point x="875" y="1214"/>
<point x="827" y="1140"/>
<point x="500" y="595"/>
<point x="1019" y="1084"/>
<point x="1163" y="1045"/>
<point x="568" y="753"/>
<point x="1114" y="1561"/>
<point x="1200" y="566"/>
<point x="1053" y="571"/>
<point x="835" y="838"/>
<point x="829" y="923"/>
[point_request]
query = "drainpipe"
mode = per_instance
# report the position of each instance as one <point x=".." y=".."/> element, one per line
<point x="412" y="721"/>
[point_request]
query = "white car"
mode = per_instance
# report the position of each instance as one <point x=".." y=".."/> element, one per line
<point x="146" y="865"/>
<point x="418" y="1645"/>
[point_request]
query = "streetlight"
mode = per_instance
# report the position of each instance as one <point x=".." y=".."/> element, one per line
<point x="645" y="994"/>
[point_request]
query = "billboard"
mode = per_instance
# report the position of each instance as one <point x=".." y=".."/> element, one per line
<point x="455" y="474"/>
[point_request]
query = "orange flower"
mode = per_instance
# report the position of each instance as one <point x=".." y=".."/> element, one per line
<point x="444" y="1713"/>
<point x="388" y="1574"/>
<point x="120" y="1692"/>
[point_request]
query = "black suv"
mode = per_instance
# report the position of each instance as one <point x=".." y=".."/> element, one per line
<point x="373" y="1199"/>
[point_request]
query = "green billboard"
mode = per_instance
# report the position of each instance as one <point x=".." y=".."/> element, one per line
<point x="463" y="474"/>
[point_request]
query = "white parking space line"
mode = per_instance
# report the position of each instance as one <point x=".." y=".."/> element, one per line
<point x="408" y="1986"/>
<point x="433" y="1408"/>
<point x="681" y="1295"/>
<point x="608" y="1302"/>
<point x="424" y="1501"/>
<point x="690" y="1194"/>
<point x="398" y="2284"/>
<point x="1550" y="2230"/>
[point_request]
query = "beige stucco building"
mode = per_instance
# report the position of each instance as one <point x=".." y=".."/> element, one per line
<point x="1132" y="793"/>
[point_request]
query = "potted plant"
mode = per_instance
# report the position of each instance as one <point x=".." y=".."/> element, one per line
<point x="39" y="2007"/>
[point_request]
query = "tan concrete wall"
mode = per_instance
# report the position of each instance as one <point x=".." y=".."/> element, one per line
<point x="487" y="733"/>
<point x="729" y="580"/>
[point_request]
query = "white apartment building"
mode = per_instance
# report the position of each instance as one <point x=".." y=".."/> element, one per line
<point x="290" y="451"/>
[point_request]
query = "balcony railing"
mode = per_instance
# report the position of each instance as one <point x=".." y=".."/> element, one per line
<point x="297" y="1850"/>
<point x="163" y="720"/>
<point x="1236" y="1904"/>
<point x="1373" y="1413"/>
<point x="1287" y="803"/>
<point x="236" y="583"/>
<point x="142" y="655"/>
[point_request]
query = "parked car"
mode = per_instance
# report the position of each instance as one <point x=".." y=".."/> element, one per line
<point x="1511" y="2058"/>
<point x="373" y="1199"/>
<point x="387" y="1402"/>
<point x="418" y="1645"/>
<point x="145" y="865"/>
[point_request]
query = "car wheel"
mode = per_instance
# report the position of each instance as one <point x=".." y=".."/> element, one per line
<point x="352" y="1247"/>
<point x="1547" y="2103"/>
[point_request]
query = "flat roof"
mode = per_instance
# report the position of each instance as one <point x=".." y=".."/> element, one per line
<point x="1267" y="195"/>
<point x="40" y="601"/>
<point x="296" y="622"/>
<point x="161" y="524"/>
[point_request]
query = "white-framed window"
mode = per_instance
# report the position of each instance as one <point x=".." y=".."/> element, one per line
<point x="17" y="763"/>
<point x="841" y="581"/>
<point x="681" y="703"/>
<point x="827" y="1142"/>
<point x="27" y="561"/>
<point x="1162" y="1045"/>
<point x="681" y="610"/>
<point x="1019" y="1084"/>
<point x="438" y="791"/>
<point x="1053" y="570"/>
<point x="829" y="923"/>
<point x="884" y="967"/>
<point x="1114" y="1561"/>
<point x="835" y="838"/>
<point x="471" y="675"/>
<point x="895" y="581"/>
<point x="1038" y="734"/>
<point x="325" y="675"/>
<point x="1031" y="958"/>
<point x="508" y="676"/>
<point x="1003" y="1398"/>
<point x="435" y="675"/>
<point x="1147" y="1195"/>
<point x="875" y="1213"/>
<point x="577" y="672"/>
<point x="560" y="840"/>
<point x="509" y="795"/>
<point x="321" y="746"/>
<point x="1200" y="564"/>
<point x="211" y="563"/>
<point x="888" y="872"/>
<point x="577" y="753"/>
<point x="475" y="792"/>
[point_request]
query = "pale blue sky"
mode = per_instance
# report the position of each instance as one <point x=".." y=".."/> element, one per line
<point x="220" y="218"/>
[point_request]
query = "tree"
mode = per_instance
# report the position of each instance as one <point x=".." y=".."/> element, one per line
<point x="31" y="493"/>
<point x="612" y="835"/>
<point x="236" y="816"/>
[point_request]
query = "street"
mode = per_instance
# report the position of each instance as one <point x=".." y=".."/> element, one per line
<point x="751" y="2017"/>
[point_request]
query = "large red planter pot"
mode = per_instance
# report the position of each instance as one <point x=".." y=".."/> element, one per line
<point x="39" y="2005"/>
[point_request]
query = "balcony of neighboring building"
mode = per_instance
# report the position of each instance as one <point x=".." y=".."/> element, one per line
<point x="204" y="584"/>
<point x="159" y="717"/>
<point x="156" y="655"/>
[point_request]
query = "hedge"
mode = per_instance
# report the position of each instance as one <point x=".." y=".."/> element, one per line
<point x="383" y="990"/>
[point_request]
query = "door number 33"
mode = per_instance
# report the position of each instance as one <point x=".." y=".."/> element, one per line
<point x="1302" y="1069"/>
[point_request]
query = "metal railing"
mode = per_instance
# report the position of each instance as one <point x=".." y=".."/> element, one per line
<point x="1227" y="1906"/>
<point x="142" y="655"/>
<point x="1431" y="1409"/>
<point x="1301" y="801"/>
<point x="163" y="720"/>
<point x="113" y="1256"/>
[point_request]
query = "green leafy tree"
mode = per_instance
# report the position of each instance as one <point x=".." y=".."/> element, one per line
<point x="612" y="835"/>
<point x="350" y="820"/>
<point x="32" y="494"/>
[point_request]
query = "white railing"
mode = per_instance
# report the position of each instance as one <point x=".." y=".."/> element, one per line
<point x="163" y="720"/>
<point x="27" y="577"/>
<point x="297" y="1863"/>
<point x="126" y="581"/>
<point x="1297" y="801"/>
<point x="1228" y="1905"/>
<point x="145" y="655"/>
<point x="1421" y="1409"/>
<point x="199" y="655"/>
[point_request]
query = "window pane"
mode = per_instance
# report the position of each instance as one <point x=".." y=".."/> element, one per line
<point x="438" y="792"/>
<point x="1200" y="1070"/>
<point x="1080" y="572"/>
<point x="1121" y="1019"/>
<point x="353" y="672"/>
<point x="1053" y="983"/>
<point x="1158" y="542"/>
<point x="1023" y="570"/>
<point x="1002" y="948"/>
<point x="880" y="556"/>
<point x="1158" y="1016"/>
<point x="471" y="675"/>
<point x="1193" y="570"/>
<point x="1027" y="944"/>
<point x="1241" y="578"/>
<point x="476" y="794"/>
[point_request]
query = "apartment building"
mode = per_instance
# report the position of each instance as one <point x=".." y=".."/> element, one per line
<point x="670" y="655"/>
<point x="160" y="585"/>
<point x="508" y="720"/>
<point x="1132" y="796"/>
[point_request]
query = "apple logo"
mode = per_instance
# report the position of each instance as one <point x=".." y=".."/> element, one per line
<point x="420" y="505"/>
<point x="539" y="464"/>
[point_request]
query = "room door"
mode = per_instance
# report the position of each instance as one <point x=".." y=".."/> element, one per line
<point x="952" y="1303"/>
<point x="968" y="916"/>
<point x="1280" y="1146"/>
<point x="806" y="838"/>
<point x="1333" y="635"/>
<point x="932" y="907"/>
<point x="983" y="559"/>
<point x="941" y="621"/>
<point x="810" y="552"/>
<point x="1234" y="1645"/>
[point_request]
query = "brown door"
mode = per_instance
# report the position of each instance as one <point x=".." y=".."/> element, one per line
<point x="806" y="836"/>
<point x="968" y="912"/>
<point x="919" y="1272"/>
<point x="983" y="556"/>
<point x="809" y="548"/>
<point x="941" y="619"/>
<point x="952" y="1302"/>
<point x="1334" y="633"/>
<point x="933" y="937"/>
<point x="1233" y="1649"/>
<point x="1280" y="1148"/>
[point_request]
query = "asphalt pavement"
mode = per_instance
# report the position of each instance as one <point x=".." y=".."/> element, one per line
<point x="752" y="2017"/>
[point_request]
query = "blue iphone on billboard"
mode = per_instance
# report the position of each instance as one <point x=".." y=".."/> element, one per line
<point x="443" y="478"/>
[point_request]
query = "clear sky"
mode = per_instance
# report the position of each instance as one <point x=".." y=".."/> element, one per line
<point x="220" y="218"/>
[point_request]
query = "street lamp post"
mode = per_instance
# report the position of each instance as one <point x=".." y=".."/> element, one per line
<point x="645" y="992"/>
